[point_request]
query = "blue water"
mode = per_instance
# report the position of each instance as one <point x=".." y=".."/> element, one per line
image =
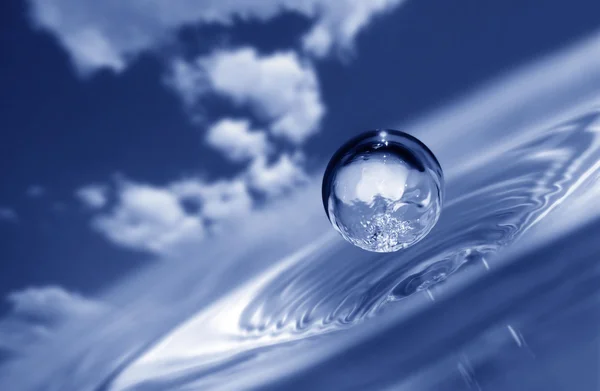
<point x="503" y="294"/>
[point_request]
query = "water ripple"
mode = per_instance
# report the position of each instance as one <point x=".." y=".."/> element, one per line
<point x="490" y="208"/>
<point x="328" y="287"/>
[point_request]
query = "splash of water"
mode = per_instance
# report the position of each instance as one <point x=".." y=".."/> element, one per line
<point x="311" y="295"/>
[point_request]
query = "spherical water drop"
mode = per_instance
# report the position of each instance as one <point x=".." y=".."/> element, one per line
<point x="383" y="190"/>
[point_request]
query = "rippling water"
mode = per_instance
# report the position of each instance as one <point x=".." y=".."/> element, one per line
<point x="325" y="289"/>
<point x="503" y="294"/>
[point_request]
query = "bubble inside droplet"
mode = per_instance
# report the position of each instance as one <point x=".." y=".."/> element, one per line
<point x="383" y="190"/>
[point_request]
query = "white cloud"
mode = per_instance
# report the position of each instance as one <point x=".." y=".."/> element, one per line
<point x="279" y="87"/>
<point x="155" y="219"/>
<point x="341" y="21"/>
<point x="219" y="201"/>
<point x="35" y="191"/>
<point x="318" y="41"/>
<point x="188" y="80"/>
<point x="107" y="34"/>
<point x="91" y="49"/>
<point x="236" y="140"/>
<point x="149" y="218"/>
<point x="50" y="303"/>
<point x="36" y="312"/>
<point x="8" y="214"/>
<point x="283" y="175"/>
<point x="93" y="196"/>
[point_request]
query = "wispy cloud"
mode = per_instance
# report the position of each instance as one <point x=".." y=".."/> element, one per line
<point x="280" y="88"/>
<point x="276" y="100"/>
<point x="341" y="21"/>
<point x="93" y="196"/>
<point x="277" y="178"/>
<point x="168" y="219"/>
<point x="36" y="312"/>
<point x="35" y="191"/>
<point x="8" y="215"/>
<point x="234" y="139"/>
<point x="149" y="218"/>
<point x="100" y="34"/>
<point x="217" y="201"/>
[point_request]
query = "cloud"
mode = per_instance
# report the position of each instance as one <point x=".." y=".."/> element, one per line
<point x="188" y="80"/>
<point x="278" y="178"/>
<point x="280" y="88"/>
<point x="167" y="220"/>
<point x="149" y="218"/>
<point x="51" y="303"/>
<point x="109" y="34"/>
<point x="236" y="140"/>
<point x="318" y="41"/>
<point x="93" y="196"/>
<point x="35" y="191"/>
<point x="35" y="312"/>
<point x="219" y="201"/>
<point x="341" y="21"/>
<point x="8" y="214"/>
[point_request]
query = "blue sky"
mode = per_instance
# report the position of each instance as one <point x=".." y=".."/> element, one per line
<point x="123" y="146"/>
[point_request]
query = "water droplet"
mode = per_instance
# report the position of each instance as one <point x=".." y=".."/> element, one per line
<point x="383" y="190"/>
